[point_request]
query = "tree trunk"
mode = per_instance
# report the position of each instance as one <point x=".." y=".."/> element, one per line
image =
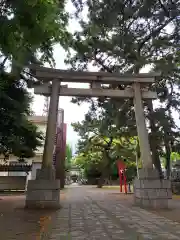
<point x="153" y="140"/>
<point x="155" y="157"/>
<point x="60" y="168"/>
<point x="104" y="170"/>
<point x="168" y="159"/>
<point x="101" y="181"/>
<point x="104" y="174"/>
<point x="110" y="180"/>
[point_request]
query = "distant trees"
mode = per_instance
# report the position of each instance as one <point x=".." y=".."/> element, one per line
<point x="99" y="148"/>
<point x="68" y="159"/>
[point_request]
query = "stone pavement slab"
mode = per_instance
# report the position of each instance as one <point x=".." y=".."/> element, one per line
<point x="92" y="214"/>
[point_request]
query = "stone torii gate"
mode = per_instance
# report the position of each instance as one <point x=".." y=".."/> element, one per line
<point x="149" y="190"/>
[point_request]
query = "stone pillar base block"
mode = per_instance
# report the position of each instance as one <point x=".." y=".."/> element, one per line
<point x="150" y="191"/>
<point x="42" y="194"/>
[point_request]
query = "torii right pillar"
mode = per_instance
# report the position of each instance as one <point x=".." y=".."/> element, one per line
<point x="149" y="190"/>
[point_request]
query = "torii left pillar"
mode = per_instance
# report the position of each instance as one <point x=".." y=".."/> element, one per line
<point x="44" y="191"/>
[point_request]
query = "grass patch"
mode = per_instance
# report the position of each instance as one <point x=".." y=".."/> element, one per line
<point x="111" y="187"/>
<point x="176" y="197"/>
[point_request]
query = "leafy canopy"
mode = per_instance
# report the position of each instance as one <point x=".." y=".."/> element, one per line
<point x="125" y="36"/>
<point x="31" y="26"/>
<point x="29" y="30"/>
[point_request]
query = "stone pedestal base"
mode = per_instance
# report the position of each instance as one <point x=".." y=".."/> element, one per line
<point x="44" y="192"/>
<point x="150" y="191"/>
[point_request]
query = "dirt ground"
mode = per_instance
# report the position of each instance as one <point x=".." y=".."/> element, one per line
<point x="19" y="223"/>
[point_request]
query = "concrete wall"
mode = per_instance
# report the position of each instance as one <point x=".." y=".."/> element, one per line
<point x="12" y="174"/>
<point x="35" y="166"/>
<point x="12" y="183"/>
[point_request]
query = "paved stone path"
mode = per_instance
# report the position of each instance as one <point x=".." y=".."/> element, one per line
<point x="91" y="214"/>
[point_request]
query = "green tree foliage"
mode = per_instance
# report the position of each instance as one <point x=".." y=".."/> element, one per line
<point x="99" y="148"/>
<point x="17" y="135"/>
<point x="125" y="36"/>
<point x="29" y="29"/>
<point x="89" y="163"/>
<point x="68" y="160"/>
<point x="31" y="26"/>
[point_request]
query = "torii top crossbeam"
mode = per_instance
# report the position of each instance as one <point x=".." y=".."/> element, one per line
<point x="48" y="74"/>
<point x="96" y="80"/>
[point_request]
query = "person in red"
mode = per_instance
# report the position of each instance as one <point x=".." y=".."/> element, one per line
<point x="122" y="175"/>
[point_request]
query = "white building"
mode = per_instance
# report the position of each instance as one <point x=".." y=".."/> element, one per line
<point x="40" y="122"/>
